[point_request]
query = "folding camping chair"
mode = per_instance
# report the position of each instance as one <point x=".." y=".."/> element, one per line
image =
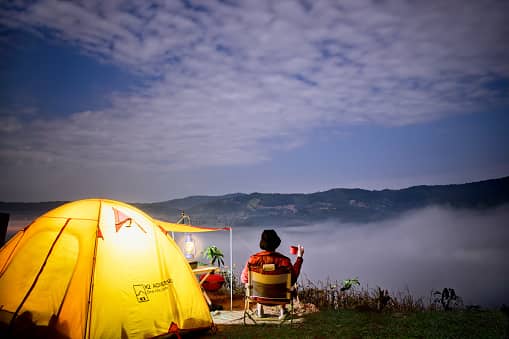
<point x="268" y="286"/>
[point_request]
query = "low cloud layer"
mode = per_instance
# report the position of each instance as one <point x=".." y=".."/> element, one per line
<point x="424" y="250"/>
<point x="231" y="83"/>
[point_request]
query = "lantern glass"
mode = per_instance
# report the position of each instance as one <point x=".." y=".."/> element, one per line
<point x="189" y="247"/>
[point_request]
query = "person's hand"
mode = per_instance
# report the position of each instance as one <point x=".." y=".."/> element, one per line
<point x="300" y="251"/>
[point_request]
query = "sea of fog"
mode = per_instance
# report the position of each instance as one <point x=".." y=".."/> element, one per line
<point x="420" y="251"/>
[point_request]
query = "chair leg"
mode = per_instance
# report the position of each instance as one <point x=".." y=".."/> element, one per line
<point x="250" y="314"/>
<point x="289" y="314"/>
<point x="247" y="312"/>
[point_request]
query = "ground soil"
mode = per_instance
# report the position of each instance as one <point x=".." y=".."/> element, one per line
<point x="223" y="298"/>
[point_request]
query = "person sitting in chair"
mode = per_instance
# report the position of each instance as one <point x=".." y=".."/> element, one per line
<point x="269" y="242"/>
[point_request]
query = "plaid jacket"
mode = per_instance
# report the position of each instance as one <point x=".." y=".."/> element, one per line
<point x="266" y="257"/>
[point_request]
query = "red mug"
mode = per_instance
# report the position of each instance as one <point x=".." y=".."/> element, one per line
<point x="293" y="249"/>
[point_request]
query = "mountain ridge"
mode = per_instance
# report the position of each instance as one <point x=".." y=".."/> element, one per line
<point x="340" y="204"/>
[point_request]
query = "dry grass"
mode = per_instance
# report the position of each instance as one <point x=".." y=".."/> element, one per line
<point x="332" y="295"/>
<point x="329" y="295"/>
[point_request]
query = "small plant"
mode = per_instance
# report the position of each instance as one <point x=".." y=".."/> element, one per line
<point x="214" y="255"/>
<point x="237" y="286"/>
<point x="382" y="299"/>
<point x="447" y="298"/>
<point x="213" y="281"/>
<point x="348" y="283"/>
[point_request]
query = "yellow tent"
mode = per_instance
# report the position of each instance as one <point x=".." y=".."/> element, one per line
<point x="97" y="268"/>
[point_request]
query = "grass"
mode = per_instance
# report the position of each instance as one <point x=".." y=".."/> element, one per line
<point x="332" y="296"/>
<point x="374" y="313"/>
<point x="357" y="324"/>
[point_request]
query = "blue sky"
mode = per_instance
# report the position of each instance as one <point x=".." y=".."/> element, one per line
<point x="152" y="100"/>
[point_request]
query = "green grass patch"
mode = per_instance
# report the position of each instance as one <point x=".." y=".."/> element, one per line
<point x="357" y="324"/>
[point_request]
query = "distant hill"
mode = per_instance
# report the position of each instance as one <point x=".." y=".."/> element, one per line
<point x="346" y="205"/>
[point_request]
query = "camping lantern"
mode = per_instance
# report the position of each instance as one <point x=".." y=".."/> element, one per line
<point x="189" y="246"/>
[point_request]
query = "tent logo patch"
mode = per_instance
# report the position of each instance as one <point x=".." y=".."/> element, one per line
<point x="143" y="290"/>
<point x="141" y="294"/>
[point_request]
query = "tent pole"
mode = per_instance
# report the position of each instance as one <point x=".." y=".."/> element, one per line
<point x="231" y="269"/>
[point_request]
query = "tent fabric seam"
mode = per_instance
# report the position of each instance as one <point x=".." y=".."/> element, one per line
<point x="8" y="261"/>
<point x="92" y="275"/>
<point x="14" y="316"/>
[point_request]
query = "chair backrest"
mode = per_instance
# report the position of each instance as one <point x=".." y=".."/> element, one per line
<point x="269" y="282"/>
